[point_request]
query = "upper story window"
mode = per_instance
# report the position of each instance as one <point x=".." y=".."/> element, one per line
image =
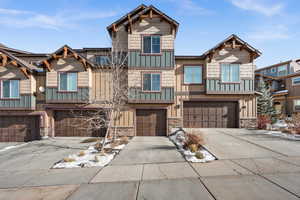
<point x="230" y="73"/>
<point x="296" y="81"/>
<point x="10" y="88"/>
<point x="151" y="44"/>
<point x="151" y="82"/>
<point x="68" y="81"/>
<point x="282" y="70"/>
<point x="192" y="74"/>
<point x="102" y="60"/>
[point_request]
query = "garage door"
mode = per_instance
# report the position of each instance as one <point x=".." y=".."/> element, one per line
<point x="69" y="124"/>
<point x="19" y="128"/>
<point x="210" y="114"/>
<point x="151" y="122"/>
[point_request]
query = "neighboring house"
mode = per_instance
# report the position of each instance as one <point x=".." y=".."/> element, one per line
<point x="284" y="80"/>
<point x="212" y="90"/>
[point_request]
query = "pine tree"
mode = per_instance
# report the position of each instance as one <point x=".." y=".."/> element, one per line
<point x="265" y="100"/>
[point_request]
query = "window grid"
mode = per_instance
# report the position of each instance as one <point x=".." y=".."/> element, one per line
<point x="196" y="75"/>
<point x="70" y="80"/>
<point x="230" y="73"/>
<point x="154" y="44"/>
<point x="13" y="87"/>
<point x="152" y="82"/>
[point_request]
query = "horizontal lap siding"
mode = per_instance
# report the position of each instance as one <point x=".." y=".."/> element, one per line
<point x="246" y="86"/>
<point x="82" y="95"/>
<point x="165" y="60"/>
<point x="167" y="94"/>
<point x="24" y="102"/>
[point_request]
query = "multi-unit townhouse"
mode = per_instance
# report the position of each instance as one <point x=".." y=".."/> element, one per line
<point x="284" y="80"/>
<point x="214" y="89"/>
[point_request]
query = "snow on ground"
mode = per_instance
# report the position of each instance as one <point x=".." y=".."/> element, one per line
<point x="283" y="135"/>
<point x="178" y="138"/>
<point x="12" y="147"/>
<point x="89" y="158"/>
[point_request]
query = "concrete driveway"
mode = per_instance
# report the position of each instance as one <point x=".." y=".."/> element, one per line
<point x="250" y="166"/>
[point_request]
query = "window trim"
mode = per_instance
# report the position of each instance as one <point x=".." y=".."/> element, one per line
<point x="293" y="84"/>
<point x="233" y="82"/>
<point x="160" y="82"/>
<point x="67" y="91"/>
<point x="193" y="65"/>
<point x="101" y="56"/>
<point x="142" y="45"/>
<point x="9" y="98"/>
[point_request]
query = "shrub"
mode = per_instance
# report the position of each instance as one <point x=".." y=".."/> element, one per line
<point x="69" y="159"/>
<point x="81" y="153"/>
<point x="90" y="140"/>
<point x="199" y="155"/>
<point x="193" y="148"/>
<point x="98" y="146"/>
<point x="196" y="139"/>
<point x="262" y="121"/>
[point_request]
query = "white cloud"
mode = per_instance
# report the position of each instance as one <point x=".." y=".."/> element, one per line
<point x="277" y="32"/>
<point x="264" y="7"/>
<point x="24" y="18"/>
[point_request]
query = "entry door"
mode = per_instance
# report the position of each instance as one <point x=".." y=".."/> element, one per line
<point x="151" y="122"/>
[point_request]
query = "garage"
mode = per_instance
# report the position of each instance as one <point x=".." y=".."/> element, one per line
<point x="210" y="114"/>
<point x="151" y="122"/>
<point x="19" y="128"/>
<point x="73" y="124"/>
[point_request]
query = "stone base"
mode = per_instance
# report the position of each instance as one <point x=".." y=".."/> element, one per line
<point x="248" y="123"/>
<point x="125" y="131"/>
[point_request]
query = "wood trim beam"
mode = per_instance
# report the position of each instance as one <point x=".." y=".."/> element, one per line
<point x="4" y="60"/>
<point x="47" y="64"/>
<point x="65" y="52"/>
<point x="25" y="72"/>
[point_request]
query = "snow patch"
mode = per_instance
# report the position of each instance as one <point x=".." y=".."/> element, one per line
<point x="89" y="158"/>
<point x="12" y="147"/>
<point x="178" y="138"/>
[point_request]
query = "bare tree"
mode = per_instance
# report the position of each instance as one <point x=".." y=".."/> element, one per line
<point x="110" y="111"/>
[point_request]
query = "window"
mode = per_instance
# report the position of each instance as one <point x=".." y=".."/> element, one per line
<point x="192" y="75"/>
<point x="151" y="82"/>
<point x="151" y="44"/>
<point x="68" y="81"/>
<point x="230" y="72"/>
<point x="297" y="104"/>
<point x="10" y="89"/>
<point x="102" y="60"/>
<point x="282" y="70"/>
<point x="296" y="81"/>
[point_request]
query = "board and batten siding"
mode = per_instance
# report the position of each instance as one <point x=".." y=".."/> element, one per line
<point x="166" y="95"/>
<point x="54" y="96"/>
<point x="101" y="88"/>
<point x="248" y="107"/>
<point x="137" y="60"/>
<point x="214" y="86"/>
<point x="126" y="118"/>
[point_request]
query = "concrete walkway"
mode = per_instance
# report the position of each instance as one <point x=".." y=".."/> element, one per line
<point x="249" y="167"/>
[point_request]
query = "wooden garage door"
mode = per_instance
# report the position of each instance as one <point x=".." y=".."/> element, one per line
<point x="68" y="124"/>
<point x="210" y="114"/>
<point x="151" y="122"/>
<point x="19" y="128"/>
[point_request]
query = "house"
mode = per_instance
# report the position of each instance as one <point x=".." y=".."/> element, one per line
<point x="211" y="90"/>
<point x="284" y="80"/>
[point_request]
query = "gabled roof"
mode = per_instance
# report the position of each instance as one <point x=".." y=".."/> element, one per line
<point x="8" y="58"/>
<point x="235" y="42"/>
<point x="64" y="52"/>
<point x="12" y="50"/>
<point x="140" y="12"/>
<point x="274" y="65"/>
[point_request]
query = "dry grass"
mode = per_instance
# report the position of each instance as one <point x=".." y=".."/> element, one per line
<point x="193" y="148"/>
<point x="90" y="140"/>
<point x="195" y="139"/>
<point x="69" y="160"/>
<point x="81" y="153"/>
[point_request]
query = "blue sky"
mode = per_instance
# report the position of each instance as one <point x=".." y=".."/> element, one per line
<point x="272" y="26"/>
